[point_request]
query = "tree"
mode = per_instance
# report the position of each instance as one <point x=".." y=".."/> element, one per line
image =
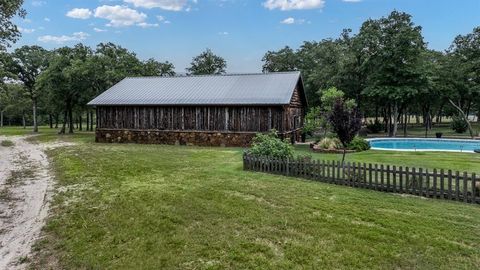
<point x="68" y="80"/>
<point x="207" y="63"/>
<point x="345" y="123"/>
<point x="282" y="60"/>
<point x="465" y="66"/>
<point x="28" y="63"/>
<point x="18" y="103"/>
<point x="394" y="45"/>
<point x="8" y="30"/>
<point x="151" y="67"/>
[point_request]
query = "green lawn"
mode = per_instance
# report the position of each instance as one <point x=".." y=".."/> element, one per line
<point x="468" y="162"/>
<point x="419" y="131"/>
<point x="153" y="206"/>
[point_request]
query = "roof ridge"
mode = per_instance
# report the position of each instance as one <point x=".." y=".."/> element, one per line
<point x="214" y="75"/>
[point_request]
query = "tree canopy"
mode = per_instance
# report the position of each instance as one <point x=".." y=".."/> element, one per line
<point x="207" y="63"/>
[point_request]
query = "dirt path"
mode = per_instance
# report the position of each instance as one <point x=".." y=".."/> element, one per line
<point x="25" y="190"/>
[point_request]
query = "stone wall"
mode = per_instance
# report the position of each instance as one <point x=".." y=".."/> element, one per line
<point x="200" y="138"/>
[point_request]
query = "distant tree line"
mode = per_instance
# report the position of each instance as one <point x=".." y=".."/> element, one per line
<point x="389" y="71"/>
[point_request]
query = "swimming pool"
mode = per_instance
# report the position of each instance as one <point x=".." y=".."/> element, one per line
<point x="418" y="144"/>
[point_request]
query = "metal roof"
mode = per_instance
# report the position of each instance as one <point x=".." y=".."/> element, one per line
<point x="232" y="89"/>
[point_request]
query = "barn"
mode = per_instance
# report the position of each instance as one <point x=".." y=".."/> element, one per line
<point x="207" y="110"/>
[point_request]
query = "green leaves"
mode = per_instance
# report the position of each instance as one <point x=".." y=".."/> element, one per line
<point x="270" y="145"/>
<point x="207" y="63"/>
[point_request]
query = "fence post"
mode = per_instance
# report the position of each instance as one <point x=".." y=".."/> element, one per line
<point x="400" y="180"/>
<point x="435" y="183"/>
<point x="287" y="167"/>
<point x="420" y="182"/>
<point x="382" y="177"/>
<point x="427" y="183"/>
<point x="388" y="178"/>
<point x="449" y="184"/>
<point x="457" y="185"/>
<point x="370" y="176"/>
<point x="465" y="187"/>
<point x="474" y="188"/>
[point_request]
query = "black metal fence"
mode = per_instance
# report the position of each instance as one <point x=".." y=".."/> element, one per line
<point x="440" y="184"/>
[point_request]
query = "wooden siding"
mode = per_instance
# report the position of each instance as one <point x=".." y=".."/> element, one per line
<point x="211" y="118"/>
<point x="295" y="112"/>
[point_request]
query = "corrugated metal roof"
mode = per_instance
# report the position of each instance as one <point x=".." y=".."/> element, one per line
<point x="242" y="89"/>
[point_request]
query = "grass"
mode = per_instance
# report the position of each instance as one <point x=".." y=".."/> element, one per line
<point x="154" y="206"/>
<point x="468" y="162"/>
<point x="46" y="134"/>
<point x="419" y="131"/>
<point x="6" y="143"/>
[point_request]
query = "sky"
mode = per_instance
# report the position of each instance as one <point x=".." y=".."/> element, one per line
<point x="241" y="31"/>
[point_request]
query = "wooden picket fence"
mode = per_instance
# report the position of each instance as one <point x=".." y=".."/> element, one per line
<point x="440" y="184"/>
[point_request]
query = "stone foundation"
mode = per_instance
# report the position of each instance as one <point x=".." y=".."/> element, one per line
<point x="200" y="138"/>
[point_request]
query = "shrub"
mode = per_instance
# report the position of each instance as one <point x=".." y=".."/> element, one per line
<point x="6" y="143"/>
<point x="329" y="144"/>
<point x="375" y="126"/>
<point x="270" y="145"/>
<point x="359" y="144"/>
<point x="459" y="125"/>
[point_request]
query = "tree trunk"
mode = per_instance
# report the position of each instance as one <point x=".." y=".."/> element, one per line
<point x="23" y="121"/>
<point x="439" y="113"/>
<point x="405" y="123"/>
<point x="88" y="121"/>
<point x="395" y="119"/>
<point x="91" y="120"/>
<point x="343" y="156"/>
<point x="50" y="120"/>
<point x="70" y="119"/>
<point x="35" y="126"/>
<point x="56" y="120"/>
<point x="80" y="122"/>
<point x="1" y="118"/>
<point x="65" y="116"/>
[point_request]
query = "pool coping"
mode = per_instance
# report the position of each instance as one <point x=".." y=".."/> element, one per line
<point x="423" y="139"/>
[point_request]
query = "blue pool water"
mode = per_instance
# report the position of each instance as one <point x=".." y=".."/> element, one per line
<point x="425" y="144"/>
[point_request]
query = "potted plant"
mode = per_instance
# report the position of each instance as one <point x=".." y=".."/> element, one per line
<point x="439" y="135"/>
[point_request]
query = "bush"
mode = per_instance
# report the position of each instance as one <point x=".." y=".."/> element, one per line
<point x="6" y="143"/>
<point x="329" y="144"/>
<point x="459" y="125"/>
<point x="375" y="127"/>
<point x="359" y="144"/>
<point x="270" y="145"/>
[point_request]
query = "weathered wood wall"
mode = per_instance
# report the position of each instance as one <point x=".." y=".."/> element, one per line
<point x="295" y="112"/>
<point x="211" y="118"/>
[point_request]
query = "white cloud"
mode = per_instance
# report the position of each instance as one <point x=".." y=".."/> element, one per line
<point x="289" y="20"/>
<point x="167" y="22"/>
<point x="223" y="33"/>
<point x="26" y="30"/>
<point x="293" y="4"/>
<point x="173" y="5"/>
<point x="352" y="1"/>
<point x="79" y="13"/>
<point x="147" y="25"/>
<point x="46" y="19"/>
<point x="37" y="3"/>
<point x="160" y="18"/>
<point x="78" y="36"/>
<point x="120" y="15"/>
<point x="99" y="30"/>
